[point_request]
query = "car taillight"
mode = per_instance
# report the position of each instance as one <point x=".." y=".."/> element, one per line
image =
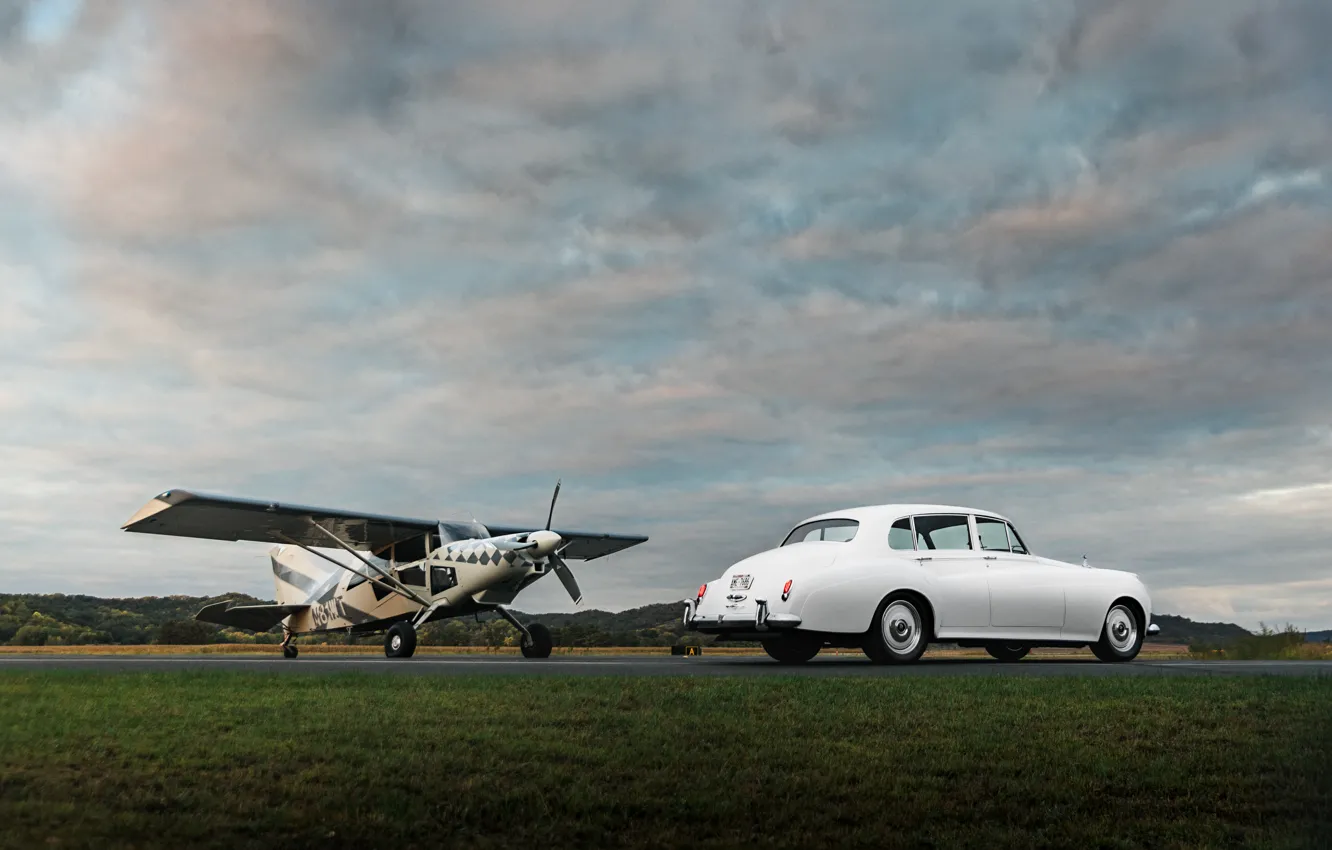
<point x="702" y="589"/>
<point x="786" y="589"/>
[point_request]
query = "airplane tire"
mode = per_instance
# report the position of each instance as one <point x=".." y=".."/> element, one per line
<point x="400" y="642"/>
<point x="290" y="651"/>
<point x="540" y="645"/>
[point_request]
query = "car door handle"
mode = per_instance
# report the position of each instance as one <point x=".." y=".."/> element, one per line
<point x="989" y="557"/>
<point x="926" y="558"/>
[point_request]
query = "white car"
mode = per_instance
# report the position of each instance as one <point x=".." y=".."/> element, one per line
<point x="892" y="578"/>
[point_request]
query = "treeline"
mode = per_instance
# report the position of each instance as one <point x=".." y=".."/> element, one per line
<point x="61" y="620"/>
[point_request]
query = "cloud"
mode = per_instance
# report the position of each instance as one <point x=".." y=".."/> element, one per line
<point x="720" y="268"/>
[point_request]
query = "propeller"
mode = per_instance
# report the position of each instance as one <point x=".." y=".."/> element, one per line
<point x="561" y="566"/>
<point x="550" y="516"/>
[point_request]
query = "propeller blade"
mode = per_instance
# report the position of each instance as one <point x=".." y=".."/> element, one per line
<point x="550" y="516"/>
<point x="567" y="579"/>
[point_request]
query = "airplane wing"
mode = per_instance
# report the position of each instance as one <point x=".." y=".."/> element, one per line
<point x="259" y="618"/>
<point x="182" y="513"/>
<point x="583" y="545"/>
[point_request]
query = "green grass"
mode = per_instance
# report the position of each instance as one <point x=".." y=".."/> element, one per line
<point x="222" y="759"/>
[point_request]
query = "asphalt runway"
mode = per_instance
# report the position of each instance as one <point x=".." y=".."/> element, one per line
<point x="661" y="665"/>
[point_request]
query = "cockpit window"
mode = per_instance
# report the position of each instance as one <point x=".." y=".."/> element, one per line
<point x="836" y="530"/>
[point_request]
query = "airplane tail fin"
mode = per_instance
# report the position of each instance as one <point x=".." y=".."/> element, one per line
<point x="298" y="576"/>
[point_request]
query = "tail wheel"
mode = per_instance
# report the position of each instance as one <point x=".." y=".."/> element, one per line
<point x="400" y="642"/>
<point x="792" y="649"/>
<point x="289" y="651"/>
<point x="1007" y="651"/>
<point x="540" y="644"/>
<point x="1121" y="636"/>
<point x="898" y="634"/>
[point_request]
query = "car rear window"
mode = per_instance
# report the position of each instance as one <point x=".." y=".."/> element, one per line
<point x="836" y="530"/>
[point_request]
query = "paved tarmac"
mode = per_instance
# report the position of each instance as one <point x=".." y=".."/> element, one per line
<point x="660" y="665"/>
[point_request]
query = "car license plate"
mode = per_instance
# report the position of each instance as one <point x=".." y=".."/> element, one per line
<point x="741" y="582"/>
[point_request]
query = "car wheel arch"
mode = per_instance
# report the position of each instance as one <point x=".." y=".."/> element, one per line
<point x="923" y="605"/>
<point x="1133" y="605"/>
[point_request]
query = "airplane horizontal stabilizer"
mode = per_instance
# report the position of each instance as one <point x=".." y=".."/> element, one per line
<point x="259" y="618"/>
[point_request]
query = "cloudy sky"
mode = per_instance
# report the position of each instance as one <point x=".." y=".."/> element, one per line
<point x="718" y="265"/>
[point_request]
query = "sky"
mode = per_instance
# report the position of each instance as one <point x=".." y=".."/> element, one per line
<point x="719" y="266"/>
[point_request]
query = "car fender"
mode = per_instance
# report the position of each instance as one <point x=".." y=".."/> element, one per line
<point x="844" y="599"/>
<point x="1089" y="595"/>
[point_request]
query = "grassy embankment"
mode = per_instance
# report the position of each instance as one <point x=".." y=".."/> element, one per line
<point x="252" y="760"/>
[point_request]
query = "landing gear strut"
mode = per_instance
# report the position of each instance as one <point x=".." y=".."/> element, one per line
<point x="536" y="637"/>
<point x="288" y="648"/>
<point x="400" y="642"/>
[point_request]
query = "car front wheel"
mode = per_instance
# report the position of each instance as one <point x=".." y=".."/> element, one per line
<point x="1121" y="635"/>
<point x="898" y="634"/>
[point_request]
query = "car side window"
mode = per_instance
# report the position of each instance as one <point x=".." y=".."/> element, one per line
<point x="945" y="531"/>
<point x="1018" y="546"/>
<point x="899" y="536"/>
<point x="993" y="534"/>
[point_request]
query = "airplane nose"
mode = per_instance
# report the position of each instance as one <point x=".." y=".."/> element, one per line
<point x="545" y="542"/>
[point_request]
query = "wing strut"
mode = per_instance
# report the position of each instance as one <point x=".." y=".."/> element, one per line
<point x="390" y="584"/>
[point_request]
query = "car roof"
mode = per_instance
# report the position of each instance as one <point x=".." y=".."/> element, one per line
<point x="892" y="512"/>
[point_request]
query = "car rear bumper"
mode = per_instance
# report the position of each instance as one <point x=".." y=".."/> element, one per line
<point x="758" y="622"/>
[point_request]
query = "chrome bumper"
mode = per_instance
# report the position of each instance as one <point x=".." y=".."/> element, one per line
<point x="761" y="621"/>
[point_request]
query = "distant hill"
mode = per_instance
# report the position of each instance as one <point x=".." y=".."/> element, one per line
<point x="36" y="619"/>
<point x="1317" y="636"/>
<point x="1183" y="630"/>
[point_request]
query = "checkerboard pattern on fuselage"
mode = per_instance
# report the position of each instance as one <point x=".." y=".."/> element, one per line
<point x="480" y="552"/>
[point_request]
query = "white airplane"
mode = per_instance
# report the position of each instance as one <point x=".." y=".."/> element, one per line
<point x="407" y="572"/>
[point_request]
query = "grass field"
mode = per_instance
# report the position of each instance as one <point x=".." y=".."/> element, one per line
<point x="351" y="761"/>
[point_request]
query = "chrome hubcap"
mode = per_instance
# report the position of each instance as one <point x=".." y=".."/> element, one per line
<point x="1121" y="628"/>
<point x="901" y="626"/>
<point x="396" y="643"/>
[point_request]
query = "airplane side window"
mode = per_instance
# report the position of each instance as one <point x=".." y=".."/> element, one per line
<point x="441" y="579"/>
<point x="414" y="576"/>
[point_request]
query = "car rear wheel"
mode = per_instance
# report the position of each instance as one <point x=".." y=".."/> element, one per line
<point x="898" y="634"/>
<point x="1007" y="651"/>
<point x="1121" y="635"/>
<point x="792" y="649"/>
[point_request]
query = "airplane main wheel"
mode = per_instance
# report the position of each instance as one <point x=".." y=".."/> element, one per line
<point x="1007" y="651"/>
<point x="1121" y="636"/>
<point x="400" y="642"/>
<point x="290" y="651"/>
<point x="540" y="644"/>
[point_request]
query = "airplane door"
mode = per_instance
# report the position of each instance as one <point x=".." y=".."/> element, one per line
<point x="1024" y="593"/>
